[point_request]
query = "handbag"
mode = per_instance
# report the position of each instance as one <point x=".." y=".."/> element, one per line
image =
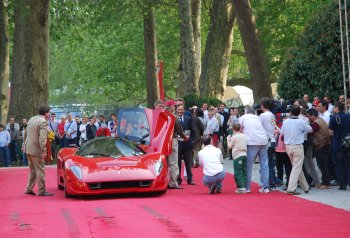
<point x="345" y="141"/>
<point x="50" y="136"/>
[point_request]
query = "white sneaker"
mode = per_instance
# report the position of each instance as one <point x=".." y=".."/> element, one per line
<point x="247" y="190"/>
<point x="241" y="191"/>
<point x="264" y="190"/>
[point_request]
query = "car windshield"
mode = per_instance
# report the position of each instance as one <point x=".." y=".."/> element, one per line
<point x="109" y="147"/>
<point x="133" y="125"/>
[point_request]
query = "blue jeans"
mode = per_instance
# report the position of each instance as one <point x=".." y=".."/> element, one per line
<point x="24" y="159"/>
<point x="5" y="155"/>
<point x="252" y="152"/>
<point x="216" y="179"/>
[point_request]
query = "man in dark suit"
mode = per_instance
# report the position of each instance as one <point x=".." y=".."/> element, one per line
<point x="185" y="147"/>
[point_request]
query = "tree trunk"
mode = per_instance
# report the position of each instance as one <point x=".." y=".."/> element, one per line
<point x="4" y="62"/>
<point x="217" y="53"/>
<point x="187" y="64"/>
<point x="253" y="49"/>
<point x="30" y="81"/>
<point x="196" y="23"/>
<point x="149" y="33"/>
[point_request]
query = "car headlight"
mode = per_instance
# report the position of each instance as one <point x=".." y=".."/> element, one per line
<point x="76" y="171"/>
<point x="158" y="166"/>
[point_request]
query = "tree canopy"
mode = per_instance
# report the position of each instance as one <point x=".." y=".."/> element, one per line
<point x="314" y="65"/>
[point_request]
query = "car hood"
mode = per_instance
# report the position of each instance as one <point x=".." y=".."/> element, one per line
<point x="112" y="169"/>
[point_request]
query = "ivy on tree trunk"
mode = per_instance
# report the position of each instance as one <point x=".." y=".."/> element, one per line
<point x="4" y="61"/>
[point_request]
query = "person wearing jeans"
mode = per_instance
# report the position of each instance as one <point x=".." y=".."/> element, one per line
<point x="256" y="146"/>
<point x="268" y="122"/>
<point x="5" y="140"/>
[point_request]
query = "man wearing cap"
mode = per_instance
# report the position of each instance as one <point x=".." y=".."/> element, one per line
<point x="170" y="106"/>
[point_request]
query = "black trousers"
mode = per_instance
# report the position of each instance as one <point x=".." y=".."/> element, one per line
<point x="342" y="157"/>
<point x="185" y="154"/>
<point x="322" y="156"/>
<point x="283" y="163"/>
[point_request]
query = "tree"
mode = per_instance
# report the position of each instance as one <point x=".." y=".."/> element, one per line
<point x="313" y="66"/>
<point x="189" y="79"/>
<point x="150" y="42"/>
<point x="217" y="53"/>
<point x="253" y="49"/>
<point x="4" y="61"/>
<point x="280" y="23"/>
<point x="30" y="66"/>
<point x="196" y="24"/>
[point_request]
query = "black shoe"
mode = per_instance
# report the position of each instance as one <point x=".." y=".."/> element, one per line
<point x="46" y="194"/>
<point x="30" y="193"/>
<point x="179" y="181"/>
<point x="218" y="189"/>
<point x="191" y="183"/>
<point x="212" y="189"/>
<point x="293" y="193"/>
<point x="342" y="187"/>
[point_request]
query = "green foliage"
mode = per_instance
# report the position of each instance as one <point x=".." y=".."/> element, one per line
<point x="196" y="100"/>
<point x="97" y="51"/>
<point x="280" y="23"/>
<point x="313" y="66"/>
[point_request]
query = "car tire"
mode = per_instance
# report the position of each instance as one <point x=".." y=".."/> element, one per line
<point x="60" y="187"/>
<point x="66" y="194"/>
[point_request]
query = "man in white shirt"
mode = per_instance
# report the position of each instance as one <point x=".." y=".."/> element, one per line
<point x="268" y="122"/>
<point x="82" y="129"/>
<point x="322" y="108"/>
<point x="330" y="105"/>
<point x="256" y="146"/>
<point x="209" y="157"/>
<point x="112" y="125"/>
<point x="53" y="125"/>
<point x="5" y="140"/>
<point x="212" y="127"/>
<point x="306" y="99"/>
<point x="293" y="130"/>
<point x="70" y="130"/>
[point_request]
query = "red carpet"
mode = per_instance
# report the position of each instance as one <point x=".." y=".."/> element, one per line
<point x="190" y="212"/>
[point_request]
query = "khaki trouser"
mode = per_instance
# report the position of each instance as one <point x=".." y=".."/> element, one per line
<point x="173" y="165"/>
<point x="36" y="173"/>
<point x="296" y="156"/>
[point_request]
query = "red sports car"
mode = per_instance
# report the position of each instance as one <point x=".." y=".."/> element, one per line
<point x="134" y="161"/>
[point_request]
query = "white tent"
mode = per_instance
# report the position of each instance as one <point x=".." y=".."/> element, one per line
<point x="238" y="96"/>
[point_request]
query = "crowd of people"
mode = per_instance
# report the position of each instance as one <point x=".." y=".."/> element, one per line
<point x="62" y="133"/>
<point x="290" y="141"/>
<point x="297" y="144"/>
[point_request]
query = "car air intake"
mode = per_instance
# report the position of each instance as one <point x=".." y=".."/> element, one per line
<point x="120" y="184"/>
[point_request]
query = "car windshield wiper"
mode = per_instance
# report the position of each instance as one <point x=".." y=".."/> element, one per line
<point x="96" y="154"/>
